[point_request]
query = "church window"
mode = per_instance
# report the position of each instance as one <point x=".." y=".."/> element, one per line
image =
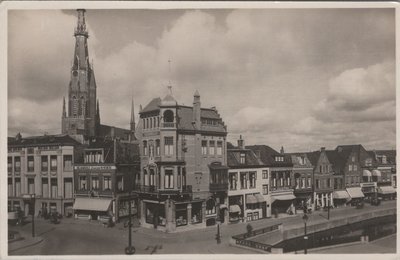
<point x="74" y="106"/>
<point x="83" y="106"/>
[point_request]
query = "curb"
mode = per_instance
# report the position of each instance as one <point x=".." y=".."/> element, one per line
<point x="10" y="249"/>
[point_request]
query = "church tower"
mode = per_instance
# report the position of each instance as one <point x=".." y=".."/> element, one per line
<point x="82" y="119"/>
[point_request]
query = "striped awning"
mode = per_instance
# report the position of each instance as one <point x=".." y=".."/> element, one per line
<point x="250" y="199"/>
<point x="234" y="208"/>
<point x="259" y="197"/>
<point x="341" y="194"/>
<point x="386" y="190"/>
<point x="355" y="192"/>
<point x="376" y="173"/>
<point x="92" y="204"/>
<point x="367" y="173"/>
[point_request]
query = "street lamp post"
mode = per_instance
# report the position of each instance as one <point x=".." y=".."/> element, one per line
<point x="305" y="219"/>
<point x="130" y="250"/>
<point x="33" y="213"/>
<point x="218" y="236"/>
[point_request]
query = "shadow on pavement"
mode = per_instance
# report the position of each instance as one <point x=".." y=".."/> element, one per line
<point x="153" y="248"/>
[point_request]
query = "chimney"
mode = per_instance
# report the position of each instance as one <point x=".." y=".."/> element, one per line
<point x="196" y="110"/>
<point x="322" y="149"/>
<point x="282" y="150"/>
<point x="240" y="142"/>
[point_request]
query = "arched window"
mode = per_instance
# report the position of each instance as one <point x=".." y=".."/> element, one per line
<point x="168" y="116"/>
<point x="74" y="106"/>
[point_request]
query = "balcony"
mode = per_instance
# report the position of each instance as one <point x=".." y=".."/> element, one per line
<point x="168" y="125"/>
<point x="155" y="190"/>
<point x="218" y="187"/>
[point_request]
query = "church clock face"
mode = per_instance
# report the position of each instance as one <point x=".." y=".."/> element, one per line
<point x="75" y="73"/>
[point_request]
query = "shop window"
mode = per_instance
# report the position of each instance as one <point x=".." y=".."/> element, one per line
<point x="82" y="183"/>
<point x="17" y="164"/>
<point x="265" y="189"/>
<point x="249" y="216"/>
<point x="53" y="163"/>
<point x="45" y="187"/>
<point x="204" y="147"/>
<point x="67" y="162"/>
<point x="9" y="164"/>
<point x="212" y="147"/>
<point x="95" y="183"/>
<point x="181" y="214"/>
<point x="169" y="179"/>
<point x="196" y="213"/>
<point x="255" y="216"/>
<point x="210" y="207"/>
<point x="54" y="188"/>
<point x="233" y="180"/>
<point x="45" y="163"/>
<point x="155" y="214"/>
<point x="168" y="145"/>
<point x="107" y="183"/>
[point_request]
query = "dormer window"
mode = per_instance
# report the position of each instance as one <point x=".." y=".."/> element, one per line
<point x="94" y="156"/>
<point x="278" y="158"/>
<point x="384" y="160"/>
<point x="242" y="158"/>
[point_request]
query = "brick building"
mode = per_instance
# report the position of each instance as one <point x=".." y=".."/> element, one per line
<point x="183" y="179"/>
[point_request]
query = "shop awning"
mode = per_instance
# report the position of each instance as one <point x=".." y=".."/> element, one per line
<point x="222" y="206"/>
<point x="234" y="208"/>
<point x="376" y="173"/>
<point x="355" y="192"/>
<point x="259" y="197"/>
<point x="367" y="173"/>
<point x="341" y="194"/>
<point x="386" y="190"/>
<point x="92" y="204"/>
<point x="284" y="197"/>
<point x="250" y="199"/>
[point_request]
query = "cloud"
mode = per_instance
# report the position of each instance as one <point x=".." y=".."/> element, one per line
<point x="360" y="94"/>
<point x="277" y="76"/>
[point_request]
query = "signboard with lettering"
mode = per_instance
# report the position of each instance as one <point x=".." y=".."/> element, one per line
<point x="95" y="167"/>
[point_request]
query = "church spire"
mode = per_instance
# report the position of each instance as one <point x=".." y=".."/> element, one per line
<point x="133" y="117"/>
<point x="64" y="113"/>
<point x="81" y="56"/>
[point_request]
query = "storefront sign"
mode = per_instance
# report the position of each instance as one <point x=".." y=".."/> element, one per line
<point x="95" y="168"/>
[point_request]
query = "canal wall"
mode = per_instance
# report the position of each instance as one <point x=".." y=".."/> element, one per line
<point x="292" y="232"/>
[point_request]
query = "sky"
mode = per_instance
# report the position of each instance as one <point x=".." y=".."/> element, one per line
<point x="297" y="78"/>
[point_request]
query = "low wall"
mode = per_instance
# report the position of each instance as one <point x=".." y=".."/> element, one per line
<point x="312" y="228"/>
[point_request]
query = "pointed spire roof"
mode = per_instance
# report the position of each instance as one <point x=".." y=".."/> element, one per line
<point x="133" y="116"/>
<point x="64" y="113"/>
<point x="196" y="94"/>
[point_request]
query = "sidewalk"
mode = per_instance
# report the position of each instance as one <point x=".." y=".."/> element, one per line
<point x="26" y="240"/>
